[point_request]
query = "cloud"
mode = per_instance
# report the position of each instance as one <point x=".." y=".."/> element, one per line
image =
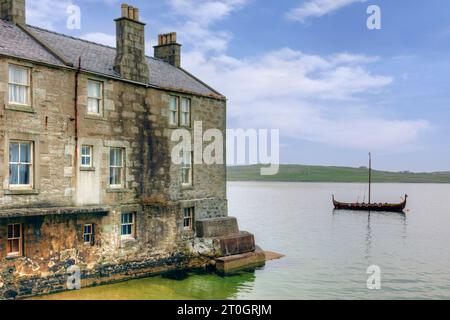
<point x="318" y="8"/>
<point x="198" y="19"/>
<point x="205" y="12"/>
<point x="310" y="97"/>
<point x="100" y="37"/>
<point x="47" y="13"/>
<point x="321" y="99"/>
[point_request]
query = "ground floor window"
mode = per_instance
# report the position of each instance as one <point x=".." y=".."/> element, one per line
<point x="188" y="218"/>
<point x="127" y="225"/>
<point x="14" y="245"/>
<point x="88" y="234"/>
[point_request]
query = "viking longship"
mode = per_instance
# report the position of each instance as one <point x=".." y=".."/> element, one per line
<point x="386" y="207"/>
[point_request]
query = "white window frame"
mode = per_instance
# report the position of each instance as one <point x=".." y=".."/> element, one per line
<point x="27" y="86"/>
<point x="30" y="164"/>
<point x="188" y="218"/>
<point x="175" y="111"/>
<point x="88" y="234"/>
<point x="120" y="167"/>
<point x="187" y="164"/>
<point x="87" y="156"/>
<point x="15" y="238"/>
<point x="131" y="224"/>
<point x="98" y="99"/>
<point x="187" y="112"/>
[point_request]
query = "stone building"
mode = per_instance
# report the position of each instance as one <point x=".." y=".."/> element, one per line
<point x="86" y="177"/>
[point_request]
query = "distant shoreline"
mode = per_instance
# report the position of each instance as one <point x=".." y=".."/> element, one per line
<point x="324" y="174"/>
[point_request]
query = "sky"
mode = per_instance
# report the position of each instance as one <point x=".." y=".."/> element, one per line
<point x="311" y="68"/>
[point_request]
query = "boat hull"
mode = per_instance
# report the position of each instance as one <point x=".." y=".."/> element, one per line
<point x="383" y="207"/>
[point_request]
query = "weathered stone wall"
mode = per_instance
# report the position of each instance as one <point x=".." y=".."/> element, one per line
<point x="208" y="180"/>
<point x="54" y="243"/>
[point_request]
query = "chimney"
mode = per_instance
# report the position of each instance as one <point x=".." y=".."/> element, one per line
<point x="13" y="11"/>
<point x="168" y="49"/>
<point x="131" y="62"/>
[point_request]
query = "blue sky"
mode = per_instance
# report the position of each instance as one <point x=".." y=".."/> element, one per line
<point x="311" y="68"/>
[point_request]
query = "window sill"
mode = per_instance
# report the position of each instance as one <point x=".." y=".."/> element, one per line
<point x="187" y="187"/>
<point x="92" y="116"/>
<point x="18" y="192"/>
<point x="180" y="126"/>
<point x="20" y="108"/>
<point x="13" y="256"/>
<point x="117" y="190"/>
<point x="128" y="241"/>
<point x="87" y="169"/>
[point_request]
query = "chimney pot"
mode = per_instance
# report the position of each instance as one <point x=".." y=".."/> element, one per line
<point x="131" y="12"/>
<point x="136" y="14"/>
<point x="125" y="10"/>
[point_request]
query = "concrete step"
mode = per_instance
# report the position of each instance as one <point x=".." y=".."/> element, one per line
<point x="243" y="261"/>
<point x="241" y="242"/>
<point x="216" y="227"/>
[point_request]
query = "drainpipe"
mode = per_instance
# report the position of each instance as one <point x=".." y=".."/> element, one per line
<point x="77" y="75"/>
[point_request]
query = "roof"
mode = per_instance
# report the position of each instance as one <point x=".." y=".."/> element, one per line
<point x="53" y="48"/>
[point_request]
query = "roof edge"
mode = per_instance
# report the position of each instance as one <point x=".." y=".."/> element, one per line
<point x="203" y="83"/>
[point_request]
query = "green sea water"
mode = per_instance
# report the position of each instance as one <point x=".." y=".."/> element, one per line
<point x="180" y="286"/>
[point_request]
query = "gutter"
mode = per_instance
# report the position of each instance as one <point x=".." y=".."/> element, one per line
<point x="77" y="75"/>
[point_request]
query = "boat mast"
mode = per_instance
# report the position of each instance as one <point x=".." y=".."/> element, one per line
<point x="370" y="176"/>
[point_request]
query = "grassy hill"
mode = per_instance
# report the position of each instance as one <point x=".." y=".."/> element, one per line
<point x="303" y="173"/>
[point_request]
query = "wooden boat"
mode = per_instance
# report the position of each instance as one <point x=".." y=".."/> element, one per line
<point x="386" y="207"/>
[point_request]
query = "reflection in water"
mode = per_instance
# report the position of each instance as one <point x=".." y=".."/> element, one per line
<point x="173" y="286"/>
<point x="369" y="236"/>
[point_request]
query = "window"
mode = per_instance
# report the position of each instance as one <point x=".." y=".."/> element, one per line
<point x="88" y="234"/>
<point x="185" y="112"/>
<point x="86" y="156"/>
<point x="188" y="218"/>
<point x="116" y="167"/>
<point x="19" y="85"/>
<point x="95" y="97"/>
<point x="127" y="225"/>
<point x="186" y="169"/>
<point x="14" y="246"/>
<point x="173" y="111"/>
<point x="20" y="163"/>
